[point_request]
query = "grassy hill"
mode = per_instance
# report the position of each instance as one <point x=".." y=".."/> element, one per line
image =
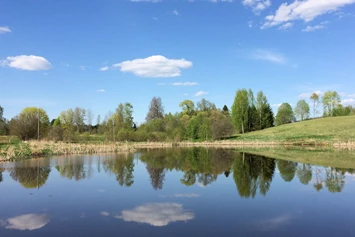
<point x="335" y="129"/>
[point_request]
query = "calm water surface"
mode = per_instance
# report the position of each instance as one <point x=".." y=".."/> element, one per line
<point x="181" y="192"/>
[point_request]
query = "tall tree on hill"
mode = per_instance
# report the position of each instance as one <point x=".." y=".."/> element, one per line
<point x="188" y="107"/>
<point x="240" y="109"/>
<point x="330" y="100"/>
<point x="315" y="98"/>
<point x="284" y="114"/>
<point x="264" y="112"/>
<point x="302" y="109"/>
<point x="252" y="112"/>
<point x="205" y="105"/>
<point x="156" y="109"/>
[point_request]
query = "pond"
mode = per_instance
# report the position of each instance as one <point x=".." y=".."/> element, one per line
<point x="175" y="192"/>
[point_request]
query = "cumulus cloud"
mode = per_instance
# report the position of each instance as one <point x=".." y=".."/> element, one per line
<point x="306" y="10"/>
<point x="27" y="222"/>
<point x="27" y="62"/>
<point x="104" y="68"/>
<point x="267" y="55"/>
<point x="185" y="83"/>
<point x="257" y="5"/>
<point x="157" y="214"/>
<point x="154" y="66"/>
<point x="4" y="29"/>
<point x="201" y="93"/>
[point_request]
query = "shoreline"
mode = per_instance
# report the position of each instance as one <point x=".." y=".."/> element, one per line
<point x="32" y="149"/>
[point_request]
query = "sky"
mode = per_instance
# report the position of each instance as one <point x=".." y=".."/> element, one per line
<point x="61" y="54"/>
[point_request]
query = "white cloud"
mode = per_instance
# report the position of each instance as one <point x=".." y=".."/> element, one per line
<point x="157" y="214"/>
<point x="106" y="68"/>
<point x="82" y="68"/>
<point x="176" y="13"/>
<point x="201" y="93"/>
<point x="275" y="222"/>
<point x="27" y="62"/>
<point x="286" y="26"/>
<point x="186" y="94"/>
<point x="257" y="5"/>
<point x="101" y="91"/>
<point x="306" y="10"/>
<point x="316" y="27"/>
<point x="4" y="29"/>
<point x="154" y="66"/>
<point x="267" y="55"/>
<point x="307" y="95"/>
<point x="250" y="24"/>
<point x="351" y="96"/>
<point x="185" y="83"/>
<point x="347" y="102"/>
<point x="27" y="222"/>
<point x="277" y="105"/>
<point x="161" y="84"/>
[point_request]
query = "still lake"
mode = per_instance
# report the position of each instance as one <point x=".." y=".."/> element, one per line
<point x="175" y="192"/>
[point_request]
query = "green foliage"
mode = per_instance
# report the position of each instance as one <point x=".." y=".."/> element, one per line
<point x="188" y="107"/>
<point x="330" y="100"/>
<point x="26" y="125"/>
<point x="315" y="98"/>
<point x="302" y="109"/>
<point x="240" y="110"/>
<point x="284" y="114"/>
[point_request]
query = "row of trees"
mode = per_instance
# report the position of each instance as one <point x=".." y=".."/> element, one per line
<point x="200" y="121"/>
<point x="331" y="107"/>
<point x="251" y="173"/>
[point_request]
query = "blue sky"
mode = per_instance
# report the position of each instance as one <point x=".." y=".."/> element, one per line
<point x="95" y="54"/>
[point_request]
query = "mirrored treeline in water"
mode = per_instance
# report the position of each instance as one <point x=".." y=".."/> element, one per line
<point x="251" y="173"/>
<point x="175" y="192"/>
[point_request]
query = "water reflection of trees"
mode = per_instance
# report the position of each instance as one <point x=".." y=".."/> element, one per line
<point x="32" y="174"/>
<point x="72" y="168"/>
<point x="253" y="172"/>
<point x="1" y="170"/>
<point x="122" y="166"/>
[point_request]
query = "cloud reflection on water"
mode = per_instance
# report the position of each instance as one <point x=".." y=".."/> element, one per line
<point x="27" y="222"/>
<point x="157" y="214"/>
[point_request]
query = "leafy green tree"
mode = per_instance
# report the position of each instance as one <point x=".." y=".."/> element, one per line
<point x="240" y="110"/>
<point x="330" y="100"/>
<point x="27" y="124"/>
<point x="221" y="124"/>
<point x="264" y="112"/>
<point x="252" y="112"/>
<point x="3" y="123"/>
<point x="205" y="105"/>
<point x="284" y="114"/>
<point x="156" y="109"/>
<point x="188" y="107"/>
<point x="302" y="109"/>
<point x="315" y="98"/>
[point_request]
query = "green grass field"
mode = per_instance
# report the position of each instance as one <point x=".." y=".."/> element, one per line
<point x="335" y="129"/>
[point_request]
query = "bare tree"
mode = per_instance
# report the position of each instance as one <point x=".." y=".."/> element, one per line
<point x="156" y="109"/>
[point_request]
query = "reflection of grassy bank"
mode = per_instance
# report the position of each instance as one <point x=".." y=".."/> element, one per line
<point x="316" y="156"/>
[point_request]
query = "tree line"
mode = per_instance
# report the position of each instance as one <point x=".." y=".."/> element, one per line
<point x="201" y="121"/>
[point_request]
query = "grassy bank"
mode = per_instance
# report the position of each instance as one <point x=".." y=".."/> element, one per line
<point x="335" y="131"/>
